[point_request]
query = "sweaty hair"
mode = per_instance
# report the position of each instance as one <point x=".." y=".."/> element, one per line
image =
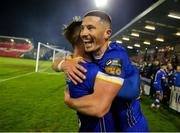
<point x="72" y="31"/>
<point x="104" y="16"/>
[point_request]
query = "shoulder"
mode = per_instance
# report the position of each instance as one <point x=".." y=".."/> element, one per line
<point x="90" y="65"/>
<point x="116" y="50"/>
<point x="114" y="46"/>
<point x="91" y="68"/>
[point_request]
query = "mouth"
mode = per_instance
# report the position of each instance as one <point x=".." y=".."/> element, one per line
<point x="88" y="43"/>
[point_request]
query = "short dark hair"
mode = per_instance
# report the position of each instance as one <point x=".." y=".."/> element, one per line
<point x="101" y="14"/>
<point x="72" y="31"/>
<point x="163" y="63"/>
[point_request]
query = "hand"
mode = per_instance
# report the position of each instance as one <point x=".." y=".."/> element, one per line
<point x="73" y="70"/>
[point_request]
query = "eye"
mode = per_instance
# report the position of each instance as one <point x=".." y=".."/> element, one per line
<point x="90" y="27"/>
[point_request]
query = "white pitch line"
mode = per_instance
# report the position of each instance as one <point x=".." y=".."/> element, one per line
<point x="57" y="73"/>
<point x="19" y="76"/>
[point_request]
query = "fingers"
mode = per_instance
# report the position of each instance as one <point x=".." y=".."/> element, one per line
<point x="82" y="61"/>
<point x="81" y="68"/>
<point x="75" y="77"/>
<point x="69" y="76"/>
<point x="79" y="74"/>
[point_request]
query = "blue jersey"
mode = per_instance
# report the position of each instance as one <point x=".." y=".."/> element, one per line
<point x="127" y="112"/>
<point x="161" y="80"/>
<point x="176" y="79"/>
<point x="89" y="123"/>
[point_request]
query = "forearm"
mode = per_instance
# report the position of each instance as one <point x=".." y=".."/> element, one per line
<point x="88" y="105"/>
<point x="56" y="66"/>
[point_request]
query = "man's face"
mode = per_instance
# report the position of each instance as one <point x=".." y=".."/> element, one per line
<point x="169" y="66"/>
<point x="93" y="33"/>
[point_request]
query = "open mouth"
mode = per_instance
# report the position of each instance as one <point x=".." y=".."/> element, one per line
<point x="88" y="42"/>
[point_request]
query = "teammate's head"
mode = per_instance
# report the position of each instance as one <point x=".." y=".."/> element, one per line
<point x="72" y="32"/>
<point x="169" y="66"/>
<point x="96" y="30"/>
<point x="164" y="66"/>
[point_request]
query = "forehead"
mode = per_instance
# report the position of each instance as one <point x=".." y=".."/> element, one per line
<point x="91" y="20"/>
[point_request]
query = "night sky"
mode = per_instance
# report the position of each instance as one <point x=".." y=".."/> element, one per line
<point x="42" y="20"/>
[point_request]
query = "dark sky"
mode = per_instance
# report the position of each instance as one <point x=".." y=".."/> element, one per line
<point x="42" y="20"/>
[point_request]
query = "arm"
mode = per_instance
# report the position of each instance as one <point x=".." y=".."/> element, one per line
<point x="98" y="103"/>
<point x="131" y="86"/>
<point x="71" y="68"/>
<point x="57" y="64"/>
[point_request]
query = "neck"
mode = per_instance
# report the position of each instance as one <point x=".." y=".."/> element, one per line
<point x="80" y="52"/>
<point x="98" y="54"/>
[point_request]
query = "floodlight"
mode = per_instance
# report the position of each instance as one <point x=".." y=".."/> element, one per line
<point x="178" y="34"/>
<point x="101" y="3"/>
<point x="125" y="38"/>
<point x="135" y="34"/>
<point x="174" y="15"/>
<point x="147" y="42"/>
<point x="137" y="45"/>
<point x="149" y="27"/>
<point x="118" y="41"/>
<point x="129" y="47"/>
<point x="160" y="39"/>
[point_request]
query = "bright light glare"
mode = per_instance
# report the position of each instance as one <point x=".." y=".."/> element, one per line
<point x="101" y="3"/>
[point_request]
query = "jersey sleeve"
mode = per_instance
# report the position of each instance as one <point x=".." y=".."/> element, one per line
<point x="85" y="88"/>
<point x="119" y="65"/>
<point x="157" y="81"/>
<point x="131" y="86"/>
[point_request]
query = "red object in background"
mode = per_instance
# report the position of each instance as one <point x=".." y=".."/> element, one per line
<point x="10" y="53"/>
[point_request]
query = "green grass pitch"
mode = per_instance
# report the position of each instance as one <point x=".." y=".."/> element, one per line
<point x="34" y="102"/>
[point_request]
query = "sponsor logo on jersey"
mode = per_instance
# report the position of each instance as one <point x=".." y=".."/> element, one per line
<point x="113" y="66"/>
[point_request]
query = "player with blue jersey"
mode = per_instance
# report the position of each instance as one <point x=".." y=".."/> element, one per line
<point x="128" y="115"/>
<point x="90" y="123"/>
<point x="114" y="61"/>
<point x="160" y="82"/>
<point x="176" y="77"/>
<point x="87" y="123"/>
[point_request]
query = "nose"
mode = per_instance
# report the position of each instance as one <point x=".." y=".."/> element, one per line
<point x="84" y="32"/>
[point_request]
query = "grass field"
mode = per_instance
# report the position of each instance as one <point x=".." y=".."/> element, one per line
<point x="34" y="102"/>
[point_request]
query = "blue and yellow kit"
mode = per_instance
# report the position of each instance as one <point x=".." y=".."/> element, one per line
<point x="176" y="79"/>
<point x="118" y="68"/>
<point x="160" y="81"/>
<point x="89" y="123"/>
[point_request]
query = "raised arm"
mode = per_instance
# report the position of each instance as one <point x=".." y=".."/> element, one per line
<point x="56" y="64"/>
<point x="71" y="67"/>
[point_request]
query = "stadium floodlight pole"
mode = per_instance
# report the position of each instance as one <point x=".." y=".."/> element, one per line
<point x="37" y="58"/>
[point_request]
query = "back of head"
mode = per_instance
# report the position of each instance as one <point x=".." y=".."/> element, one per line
<point x="102" y="15"/>
<point x="72" y="31"/>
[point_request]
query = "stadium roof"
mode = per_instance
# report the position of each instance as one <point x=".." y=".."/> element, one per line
<point x="16" y="40"/>
<point x="159" y="25"/>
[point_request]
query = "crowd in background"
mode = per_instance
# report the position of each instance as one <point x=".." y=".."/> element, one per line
<point x="163" y="75"/>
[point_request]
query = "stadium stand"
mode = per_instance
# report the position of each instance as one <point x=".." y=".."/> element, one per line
<point x="153" y="38"/>
<point x="14" y="47"/>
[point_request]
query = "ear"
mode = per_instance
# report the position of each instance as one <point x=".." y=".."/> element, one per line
<point x="107" y="33"/>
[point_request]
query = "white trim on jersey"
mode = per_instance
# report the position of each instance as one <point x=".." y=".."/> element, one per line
<point x="110" y="78"/>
